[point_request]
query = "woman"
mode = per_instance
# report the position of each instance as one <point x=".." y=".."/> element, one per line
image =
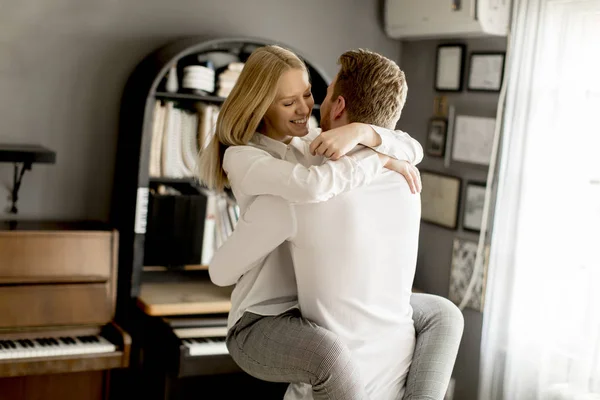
<point x="262" y="146"/>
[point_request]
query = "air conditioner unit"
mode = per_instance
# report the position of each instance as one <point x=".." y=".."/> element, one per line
<point x="422" y="19"/>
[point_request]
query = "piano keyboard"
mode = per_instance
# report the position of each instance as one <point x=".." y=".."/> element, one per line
<point x="206" y="346"/>
<point x="204" y="341"/>
<point x="54" y="346"/>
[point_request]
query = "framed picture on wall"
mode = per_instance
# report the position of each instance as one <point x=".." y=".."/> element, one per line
<point x="436" y="137"/>
<point x="440" y="199"/>
<point x="486" y="71"/>
<point x="474" y="200"/>
<point x="449" y="69"/>
<point x="473" y="139"/>
<point x="464" y="253"/>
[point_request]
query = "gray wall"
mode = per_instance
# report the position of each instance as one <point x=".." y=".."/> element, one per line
<point x="435" y="244"/>
<point x="63" y="65"/>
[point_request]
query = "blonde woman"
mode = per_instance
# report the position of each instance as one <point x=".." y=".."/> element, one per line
<point x="263" y="146"/>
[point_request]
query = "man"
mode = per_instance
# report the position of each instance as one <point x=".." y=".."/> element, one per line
<point x="355" y="255"/>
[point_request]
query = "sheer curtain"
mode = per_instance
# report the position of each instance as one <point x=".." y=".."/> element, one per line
<point x="541" y="333"/>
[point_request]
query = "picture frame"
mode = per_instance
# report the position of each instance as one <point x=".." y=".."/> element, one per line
<point x="440" y="199"/>
<point x="436" y="137"/>
<point x="473" y="208"/>
<point x="486" y="71"/>
<point x="464" y="253"/>
<point x="473" y="139"/>
<point x="449" y="71"/>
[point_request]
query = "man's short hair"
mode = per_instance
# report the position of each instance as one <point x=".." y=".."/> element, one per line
<point x="373" y="86"/>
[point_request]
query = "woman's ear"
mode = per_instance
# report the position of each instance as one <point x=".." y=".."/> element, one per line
<point x="338" y="108"/>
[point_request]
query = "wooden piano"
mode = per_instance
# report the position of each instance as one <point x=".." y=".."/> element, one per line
<point x="58" y="283"/>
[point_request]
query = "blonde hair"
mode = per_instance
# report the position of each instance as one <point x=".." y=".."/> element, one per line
<point x="243" y="110"/>
<point x="373" y="86"/>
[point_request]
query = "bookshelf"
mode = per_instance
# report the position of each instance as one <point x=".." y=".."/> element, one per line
<point x="131" y="209"/>
<point x="189" y="96"/>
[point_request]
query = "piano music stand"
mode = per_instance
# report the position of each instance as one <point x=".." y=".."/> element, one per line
<point x="27" y="155"/>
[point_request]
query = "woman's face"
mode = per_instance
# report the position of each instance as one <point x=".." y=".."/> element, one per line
<point x="288" y="114"/>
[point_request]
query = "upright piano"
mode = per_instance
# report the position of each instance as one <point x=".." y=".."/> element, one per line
<point x="58" y="339"/>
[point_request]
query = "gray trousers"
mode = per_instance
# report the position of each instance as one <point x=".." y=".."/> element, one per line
<point x="289" y="348"/>
<point x="439" y="327"/>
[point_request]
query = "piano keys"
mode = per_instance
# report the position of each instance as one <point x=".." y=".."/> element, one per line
<point x="54" y="346"/>
<point x="190" y="346"/>
<point x="203" y="341"/>
<point x="205" y="346"/>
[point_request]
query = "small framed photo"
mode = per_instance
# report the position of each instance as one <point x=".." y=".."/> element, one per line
<point x="474" y="200"/>
<point x="440" y="199"/>
<point x="464" y="253"/>
<point x="449" y="67"/>
<point x="436" y="137"/>
<point x="486" y="71"/>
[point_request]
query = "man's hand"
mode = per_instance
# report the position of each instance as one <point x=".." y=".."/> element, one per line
<point x="337" y="142"/>
<point x="410" y="173"/>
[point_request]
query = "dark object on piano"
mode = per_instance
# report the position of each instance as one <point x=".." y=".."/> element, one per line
<point x="57" y="304"/>
<point x="27" y="155"/>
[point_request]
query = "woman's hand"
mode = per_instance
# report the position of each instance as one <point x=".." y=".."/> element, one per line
<point x="410" y="173"/>
<point x="337" y="142"/>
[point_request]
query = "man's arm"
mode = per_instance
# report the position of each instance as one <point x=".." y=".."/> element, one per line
<point x="337" y="142"/>
<point x="267" y="223"/>
<point x="255" y="172"/>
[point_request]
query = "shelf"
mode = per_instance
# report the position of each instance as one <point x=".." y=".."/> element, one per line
<point x="184" y="185"/>
<point x="189" y="96"/>
<point x="167" y="181"/>
<point x="184" y="298"/>
<point x="160" y="268"/>
<point x="26" y="154"/>
<point x="200" y="97"/>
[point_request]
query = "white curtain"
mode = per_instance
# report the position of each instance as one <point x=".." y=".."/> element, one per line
<point x="541" y="333"/>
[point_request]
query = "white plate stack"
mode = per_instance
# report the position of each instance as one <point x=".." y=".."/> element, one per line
<point x="199" y="79"/>
<point x="229" y="77"/>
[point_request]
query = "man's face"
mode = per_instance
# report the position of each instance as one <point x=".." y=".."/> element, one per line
<point x="326" y="106"/>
